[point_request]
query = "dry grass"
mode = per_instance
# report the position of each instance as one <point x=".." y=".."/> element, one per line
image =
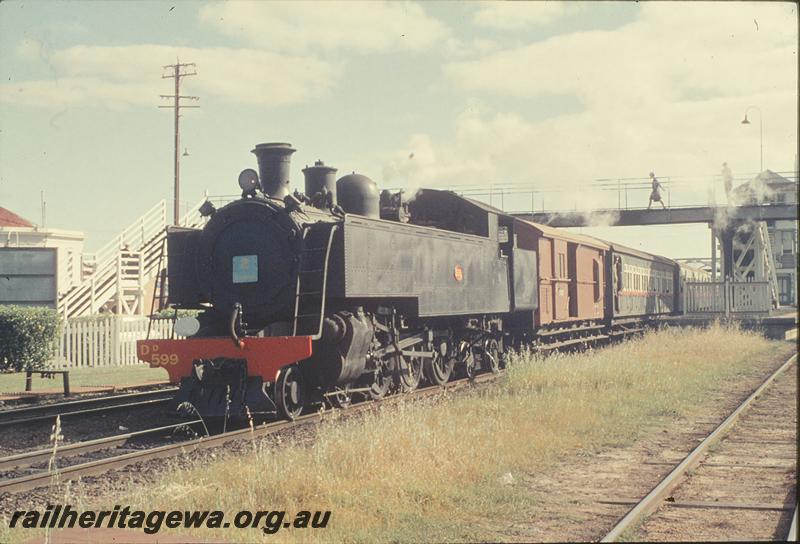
<point x="439" y="469"/>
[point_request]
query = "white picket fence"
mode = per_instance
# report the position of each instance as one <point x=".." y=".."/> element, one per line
<point x="752" y="297"/>
<point x="106" y="340"/>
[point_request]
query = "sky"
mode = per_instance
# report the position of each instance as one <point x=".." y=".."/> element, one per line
<point x="544" y="96"/>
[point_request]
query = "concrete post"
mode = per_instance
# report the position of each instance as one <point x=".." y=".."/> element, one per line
<point x="726" y="236"/>
<point x="713" y="254"/>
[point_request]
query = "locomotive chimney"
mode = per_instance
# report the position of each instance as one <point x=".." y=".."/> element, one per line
<point x="320" y="177"/>
<point x="274" y="162"/>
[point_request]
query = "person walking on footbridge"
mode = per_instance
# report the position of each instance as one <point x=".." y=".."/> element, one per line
<point x="655" y="193"/>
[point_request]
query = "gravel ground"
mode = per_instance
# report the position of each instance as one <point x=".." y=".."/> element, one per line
<point x="34" y="436"/>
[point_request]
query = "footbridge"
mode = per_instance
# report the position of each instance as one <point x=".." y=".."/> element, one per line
<point x="642" y="216"/>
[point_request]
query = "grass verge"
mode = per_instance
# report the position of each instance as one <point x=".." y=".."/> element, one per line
<point x="443" y="469"/>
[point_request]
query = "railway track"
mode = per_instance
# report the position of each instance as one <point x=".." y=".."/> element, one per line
<point x="95" y="405"/>
<point x="44" y="477"/>
<point x="739" y="469"/>
<point x="26" y="460"/>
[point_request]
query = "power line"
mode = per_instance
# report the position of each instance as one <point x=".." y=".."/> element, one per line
<point x="177" y="71"/>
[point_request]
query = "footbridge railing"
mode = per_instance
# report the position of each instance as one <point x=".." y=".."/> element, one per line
<point x="118" y="272"/>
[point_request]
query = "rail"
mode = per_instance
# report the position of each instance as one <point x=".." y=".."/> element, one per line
<point x="30" y="458"/>
<point x="653" y="500"/>
<point x="45" y="412"/>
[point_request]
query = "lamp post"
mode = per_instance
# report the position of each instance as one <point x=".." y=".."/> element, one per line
<point x="760" y="133"/>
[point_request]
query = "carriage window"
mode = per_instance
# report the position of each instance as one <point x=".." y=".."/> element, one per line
<point x="502" y="235"/>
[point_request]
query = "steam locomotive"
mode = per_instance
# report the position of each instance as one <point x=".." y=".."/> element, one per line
<point x="342" y="290"/>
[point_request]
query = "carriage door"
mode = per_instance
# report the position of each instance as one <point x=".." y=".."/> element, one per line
<point x="572" y="273"/>
<point x="561" y="283"/>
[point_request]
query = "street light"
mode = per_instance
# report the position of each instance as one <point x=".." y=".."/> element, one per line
<point x="760" y="132"/>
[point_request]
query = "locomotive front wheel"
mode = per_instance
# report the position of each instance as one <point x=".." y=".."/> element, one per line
<point x="290" y="392"/>
<point x="380" y="385"/>
<point x="470" y="365"/>
<point x="410" y="371"/>
<point x="439" y="368"/>
<point x="491" y="355"/>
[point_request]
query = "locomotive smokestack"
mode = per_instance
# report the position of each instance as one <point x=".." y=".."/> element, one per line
<point x="274" y="162"/>
<point x="320" y="177"/>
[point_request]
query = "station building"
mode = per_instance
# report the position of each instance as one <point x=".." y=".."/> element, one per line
<point x="41" y="263"/>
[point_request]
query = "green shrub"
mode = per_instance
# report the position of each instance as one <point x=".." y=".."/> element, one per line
<point x="27" y="336"/>
<point x="170" y="312"/>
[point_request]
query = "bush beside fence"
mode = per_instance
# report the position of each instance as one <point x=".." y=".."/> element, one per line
<point x="26" y="337"/>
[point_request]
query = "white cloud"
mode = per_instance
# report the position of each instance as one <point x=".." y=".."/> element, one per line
<point x="30" y="50"/>
<point x="670" y="53"/>
<point x="125" y="76"/>
<point x="460" y="49"/>
<point x="512" y="15"/>
<point x="690" y="139"/>
<point x="364" y="27"/>
<point x="665" y="93"/>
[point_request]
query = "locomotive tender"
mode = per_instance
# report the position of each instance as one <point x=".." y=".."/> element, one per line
<point x="342" y="290"/>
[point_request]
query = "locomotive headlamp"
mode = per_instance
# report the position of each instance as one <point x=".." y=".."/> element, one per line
<point x="248" y="180"/>
<point x="186" y="326"/>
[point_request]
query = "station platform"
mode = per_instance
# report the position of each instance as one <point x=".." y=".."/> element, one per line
<point x="780" y="326"/>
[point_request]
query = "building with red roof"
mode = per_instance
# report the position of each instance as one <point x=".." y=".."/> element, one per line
<point x="10" y="219"/>
<point x="17" y="235"/>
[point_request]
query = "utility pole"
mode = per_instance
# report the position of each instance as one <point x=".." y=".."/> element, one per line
<point x="177" y="71"/>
